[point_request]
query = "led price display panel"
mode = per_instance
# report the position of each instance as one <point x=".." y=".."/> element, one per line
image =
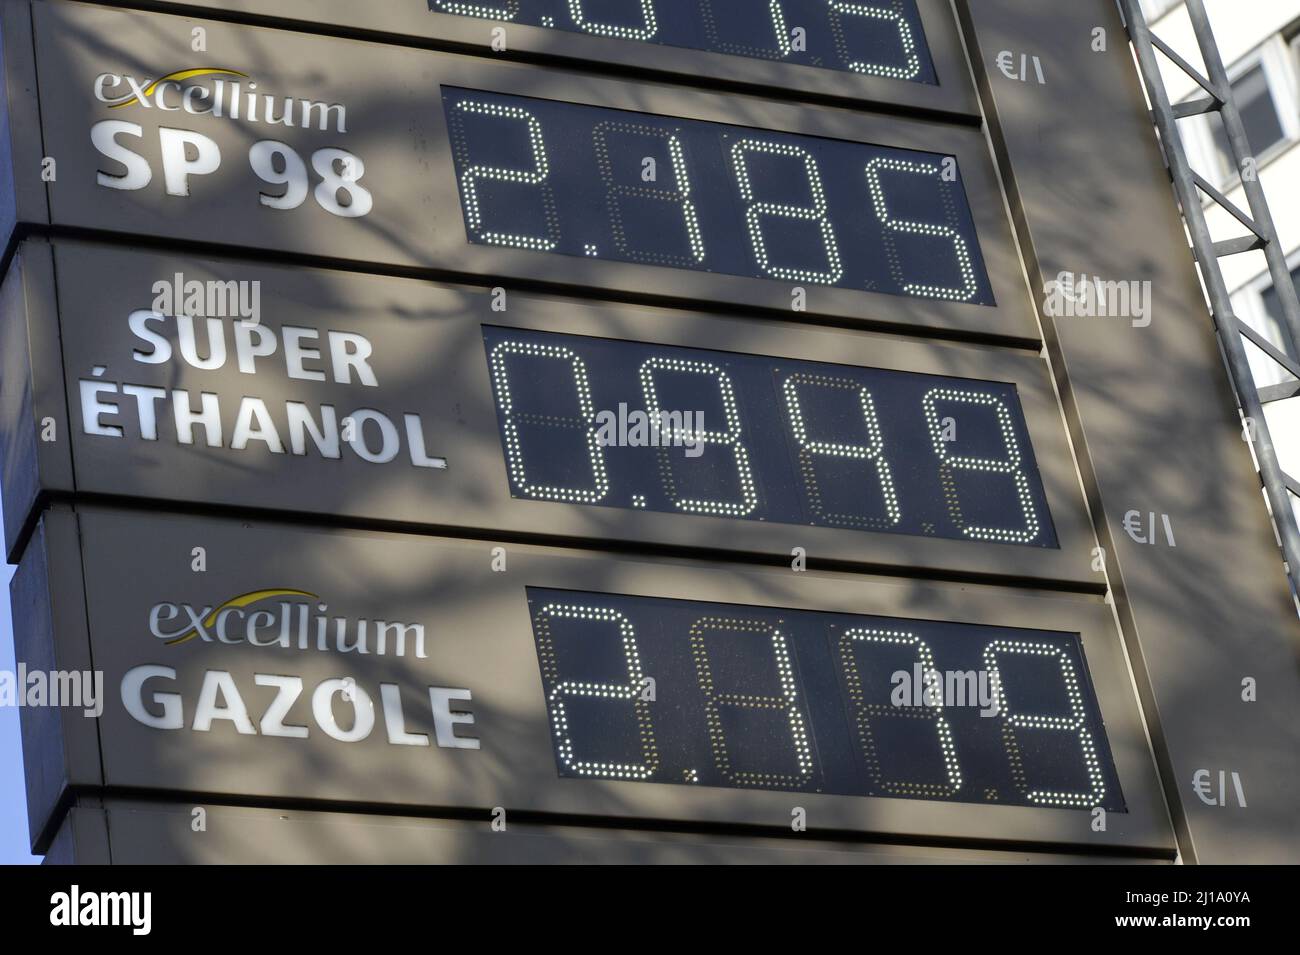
<point x="682" y="691"/>
<point x="871" y="37"/>
<point x="635" y="187"/>
<point x="688" y="431"/>
<point x="388" y="670"/>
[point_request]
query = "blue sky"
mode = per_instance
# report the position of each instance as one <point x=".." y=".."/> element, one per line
<point x="14" y="847"/>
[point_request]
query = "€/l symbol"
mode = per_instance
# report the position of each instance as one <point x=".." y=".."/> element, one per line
<point x="1147" y="535"/>
<point x="1201" y="783"/>
<point x="1007" y="64"/>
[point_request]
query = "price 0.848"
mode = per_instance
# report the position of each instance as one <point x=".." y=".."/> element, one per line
<point x="687" y="431"/>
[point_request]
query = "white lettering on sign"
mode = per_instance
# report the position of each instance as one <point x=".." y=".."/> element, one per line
<point x="221" y="701"/>
<point x="186" y="154"/>
<point x="284" y="426"/>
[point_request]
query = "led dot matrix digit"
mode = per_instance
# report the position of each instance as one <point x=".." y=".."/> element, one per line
<point x="512" y="418"/>
<point x="562" y="690"/>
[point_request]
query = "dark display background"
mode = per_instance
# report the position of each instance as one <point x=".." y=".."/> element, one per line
<point x="755" y="697"/>
<point x="886" y="41"/>
<point x="567" y="178"/>
<point x="547" y="437"/>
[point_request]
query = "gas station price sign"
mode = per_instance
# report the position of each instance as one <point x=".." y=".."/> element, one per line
<point x="760" y="268"/>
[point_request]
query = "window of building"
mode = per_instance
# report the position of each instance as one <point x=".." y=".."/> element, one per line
<point x="1269" y="297"/>
<point x="1267" y="92"/>
<point x="1256" y="304"/>
<point x="1259" y="114"/>
<point x="1154" y="9"/>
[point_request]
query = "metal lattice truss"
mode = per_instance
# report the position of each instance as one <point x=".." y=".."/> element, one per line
<point x="1260" y="235"/>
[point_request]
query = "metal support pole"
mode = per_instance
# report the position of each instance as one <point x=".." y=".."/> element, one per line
<point x="1185" y="184"/>
<point x="1274" y="254"/>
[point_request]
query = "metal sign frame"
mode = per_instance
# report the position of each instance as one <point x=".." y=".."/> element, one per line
<point x="1155" y="426"/>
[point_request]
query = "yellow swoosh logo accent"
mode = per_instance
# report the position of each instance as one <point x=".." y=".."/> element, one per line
<point x="243" y="600"/>
<point x="178" y="77"/>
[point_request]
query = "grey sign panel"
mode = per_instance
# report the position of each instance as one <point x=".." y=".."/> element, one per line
<point x="35" y="457"/>
<point x="767" y="61"/>
<point x="353" y="162"/>
<point x="60" y="743"/>
<point x="223" y="704"/>
<point x="1206" y="608"/>
<point x="137" y="832"/>
<point x="231" y="406"/>
<point x="22" y="166"/>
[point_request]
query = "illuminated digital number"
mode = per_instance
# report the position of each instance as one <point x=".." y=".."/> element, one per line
<point x="629" y="692"/>
<point x="970" y="284"/>
<point x="508" y="11"/>
<point x="842" y="8"/>
<point x="786" y="700"/>
<point x="583" y="420"/>
<point x="537" y="176"/>
<point x="709" y="13"/>
<point x="820" y="34"/>
<point x="615" y="192"/>
<point x="818" y="701"/>
<point x="646" y="31"/>
<point x="1011" y="465"/>
<point x="731" y="438"/>
<point x="757" y="210"/>
<point x="754" y="438"/>
<point x="868" y="713"/>
<point x="1076" y="723"/>
<point x="873" y="451"/>
<point x="659" y="197"/>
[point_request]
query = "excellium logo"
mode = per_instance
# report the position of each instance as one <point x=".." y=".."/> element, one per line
<point x="218" y="92"/>
<point x="285" y="620"/>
